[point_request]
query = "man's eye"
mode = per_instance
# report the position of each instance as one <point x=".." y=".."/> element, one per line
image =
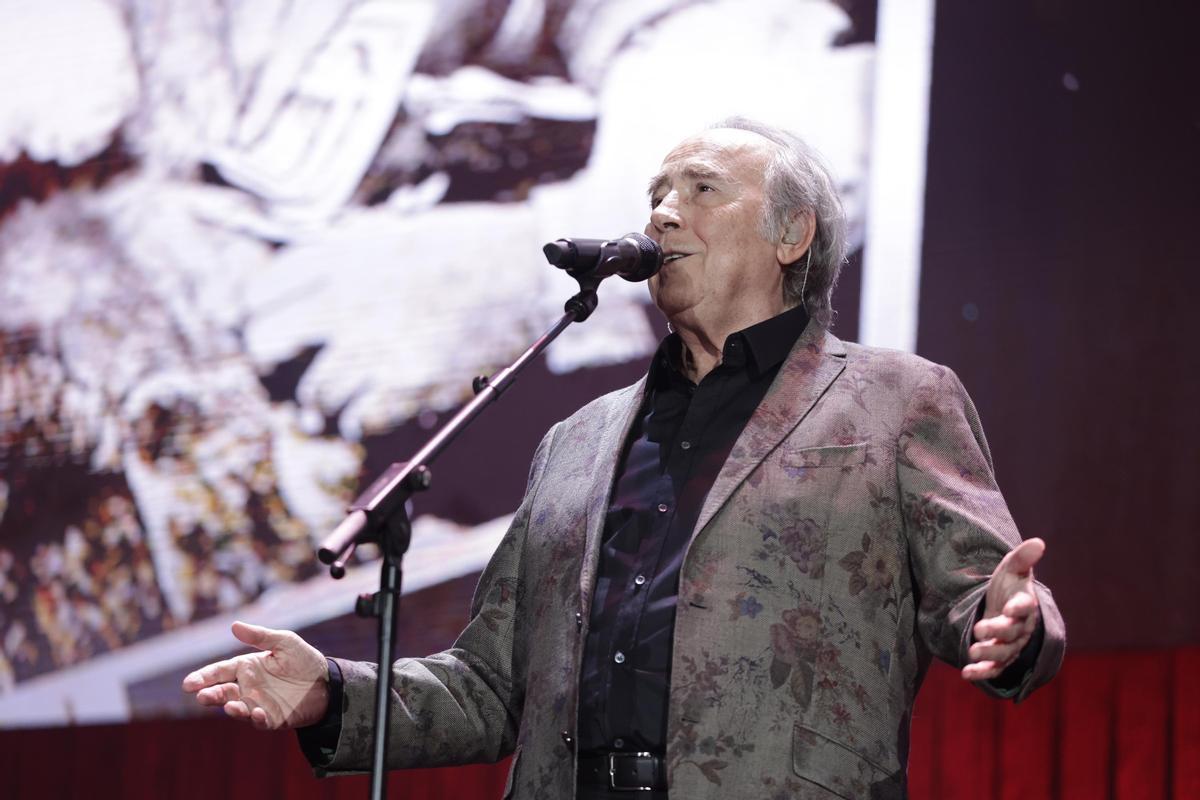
<point x="654" y="201"/>
<point x="704" y="187"/>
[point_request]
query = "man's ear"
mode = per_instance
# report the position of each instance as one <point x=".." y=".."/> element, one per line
<point x="797" y="236"/>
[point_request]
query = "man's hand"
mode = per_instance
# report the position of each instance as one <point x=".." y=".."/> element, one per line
<point x="1010" y="616"/>
<point x="284" y="686"/>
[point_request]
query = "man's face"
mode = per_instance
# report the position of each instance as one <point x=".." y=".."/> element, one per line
<point x="706" y="212"/>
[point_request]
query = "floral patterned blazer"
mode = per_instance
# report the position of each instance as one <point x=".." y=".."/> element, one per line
<point x="847" y="540"/>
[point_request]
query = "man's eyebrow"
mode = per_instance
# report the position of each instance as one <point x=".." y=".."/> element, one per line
<point x="655" y="184"/>
<point x="694" y="172"/>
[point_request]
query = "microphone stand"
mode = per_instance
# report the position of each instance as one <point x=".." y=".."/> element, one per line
<point x="379" y="515"/>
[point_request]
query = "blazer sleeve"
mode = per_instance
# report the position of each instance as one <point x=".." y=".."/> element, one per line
<point x="461" y="705"/>
<point x="958" y="526"/>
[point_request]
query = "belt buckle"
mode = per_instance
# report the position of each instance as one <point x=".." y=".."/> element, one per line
<point x="612" y="772"/>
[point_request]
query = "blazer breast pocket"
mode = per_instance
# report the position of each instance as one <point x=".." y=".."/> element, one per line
<point x="825" y="457"/>
<point x="811" y="482"/>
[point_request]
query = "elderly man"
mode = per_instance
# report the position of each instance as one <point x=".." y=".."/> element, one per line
<point x="730" y="578"/>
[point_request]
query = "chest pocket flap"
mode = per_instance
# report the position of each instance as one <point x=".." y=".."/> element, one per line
<point x="835" y="455"/>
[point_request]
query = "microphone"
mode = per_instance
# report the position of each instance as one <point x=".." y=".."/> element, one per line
<point x="635" y="257"/>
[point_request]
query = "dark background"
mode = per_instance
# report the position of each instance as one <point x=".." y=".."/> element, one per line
<point x="1068" y="220"/>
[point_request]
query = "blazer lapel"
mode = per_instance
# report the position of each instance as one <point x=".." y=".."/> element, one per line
<point x="608" y="446"/>
<point x="815" y="361"/>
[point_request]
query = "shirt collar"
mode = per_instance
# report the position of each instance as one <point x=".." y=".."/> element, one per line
<point x="765" y="344"/>
<point x="771" y="340"/>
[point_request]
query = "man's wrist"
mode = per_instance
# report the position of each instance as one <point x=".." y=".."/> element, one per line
<point x="319" y="741"/>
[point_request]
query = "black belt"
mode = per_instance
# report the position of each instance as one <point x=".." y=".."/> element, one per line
<point x="623" y="772"/>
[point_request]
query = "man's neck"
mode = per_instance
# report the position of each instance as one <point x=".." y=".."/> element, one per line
<point x="704" y="340"/>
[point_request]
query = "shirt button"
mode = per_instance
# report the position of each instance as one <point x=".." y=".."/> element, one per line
<point x="619" y="657"/>
<point x="663" y="508"/>
<point x="685" y="444"/>
<point x="639" y="580"/>
<point x="618" y="742"/>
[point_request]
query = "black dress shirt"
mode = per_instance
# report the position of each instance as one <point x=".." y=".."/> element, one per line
<point x="677" y="445"/>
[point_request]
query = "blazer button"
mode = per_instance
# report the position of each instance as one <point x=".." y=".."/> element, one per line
<point x="568" y="740"/>
<point x="578" y="620"/>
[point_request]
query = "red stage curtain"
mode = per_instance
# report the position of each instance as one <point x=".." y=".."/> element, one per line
<point x="1123" y="725"/>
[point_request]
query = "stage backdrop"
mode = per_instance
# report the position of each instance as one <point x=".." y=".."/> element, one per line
<point x="252" y="252"/>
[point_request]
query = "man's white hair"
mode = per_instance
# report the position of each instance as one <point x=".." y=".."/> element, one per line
<point x="797" y="181"/>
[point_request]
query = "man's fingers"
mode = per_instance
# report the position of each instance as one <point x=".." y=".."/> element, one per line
<point x="255" y="715"/>
<point x="1018" y="618"/>
<point x="258" y="636"/>
<point x="220" y="672"/>
<point x="1021" y="605"/>
<point x="258" y="718"/>
<point x="982" y="671"/>
<point x="1021" y="560"/>
<point x="237" y="709"/>
<point x="993" y="650"/>
<point x="994" y="628"/>
<point x="1002" y="628"/>
<point x="226" y="671"/>
<point x="218" y="695"/>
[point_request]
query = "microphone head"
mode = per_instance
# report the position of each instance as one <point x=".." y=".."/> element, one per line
<point x="648" y="262"/>
<point x="562" y="253"/>
<point x="574" y="255"/>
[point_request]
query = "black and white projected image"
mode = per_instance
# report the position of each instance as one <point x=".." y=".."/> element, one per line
<point x="249" y="239"/>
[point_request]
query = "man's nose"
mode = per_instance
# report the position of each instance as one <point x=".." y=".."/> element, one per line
<point x="665" y="215"/>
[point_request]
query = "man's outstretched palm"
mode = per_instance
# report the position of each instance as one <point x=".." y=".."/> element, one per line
<point x="285" y="685"/>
